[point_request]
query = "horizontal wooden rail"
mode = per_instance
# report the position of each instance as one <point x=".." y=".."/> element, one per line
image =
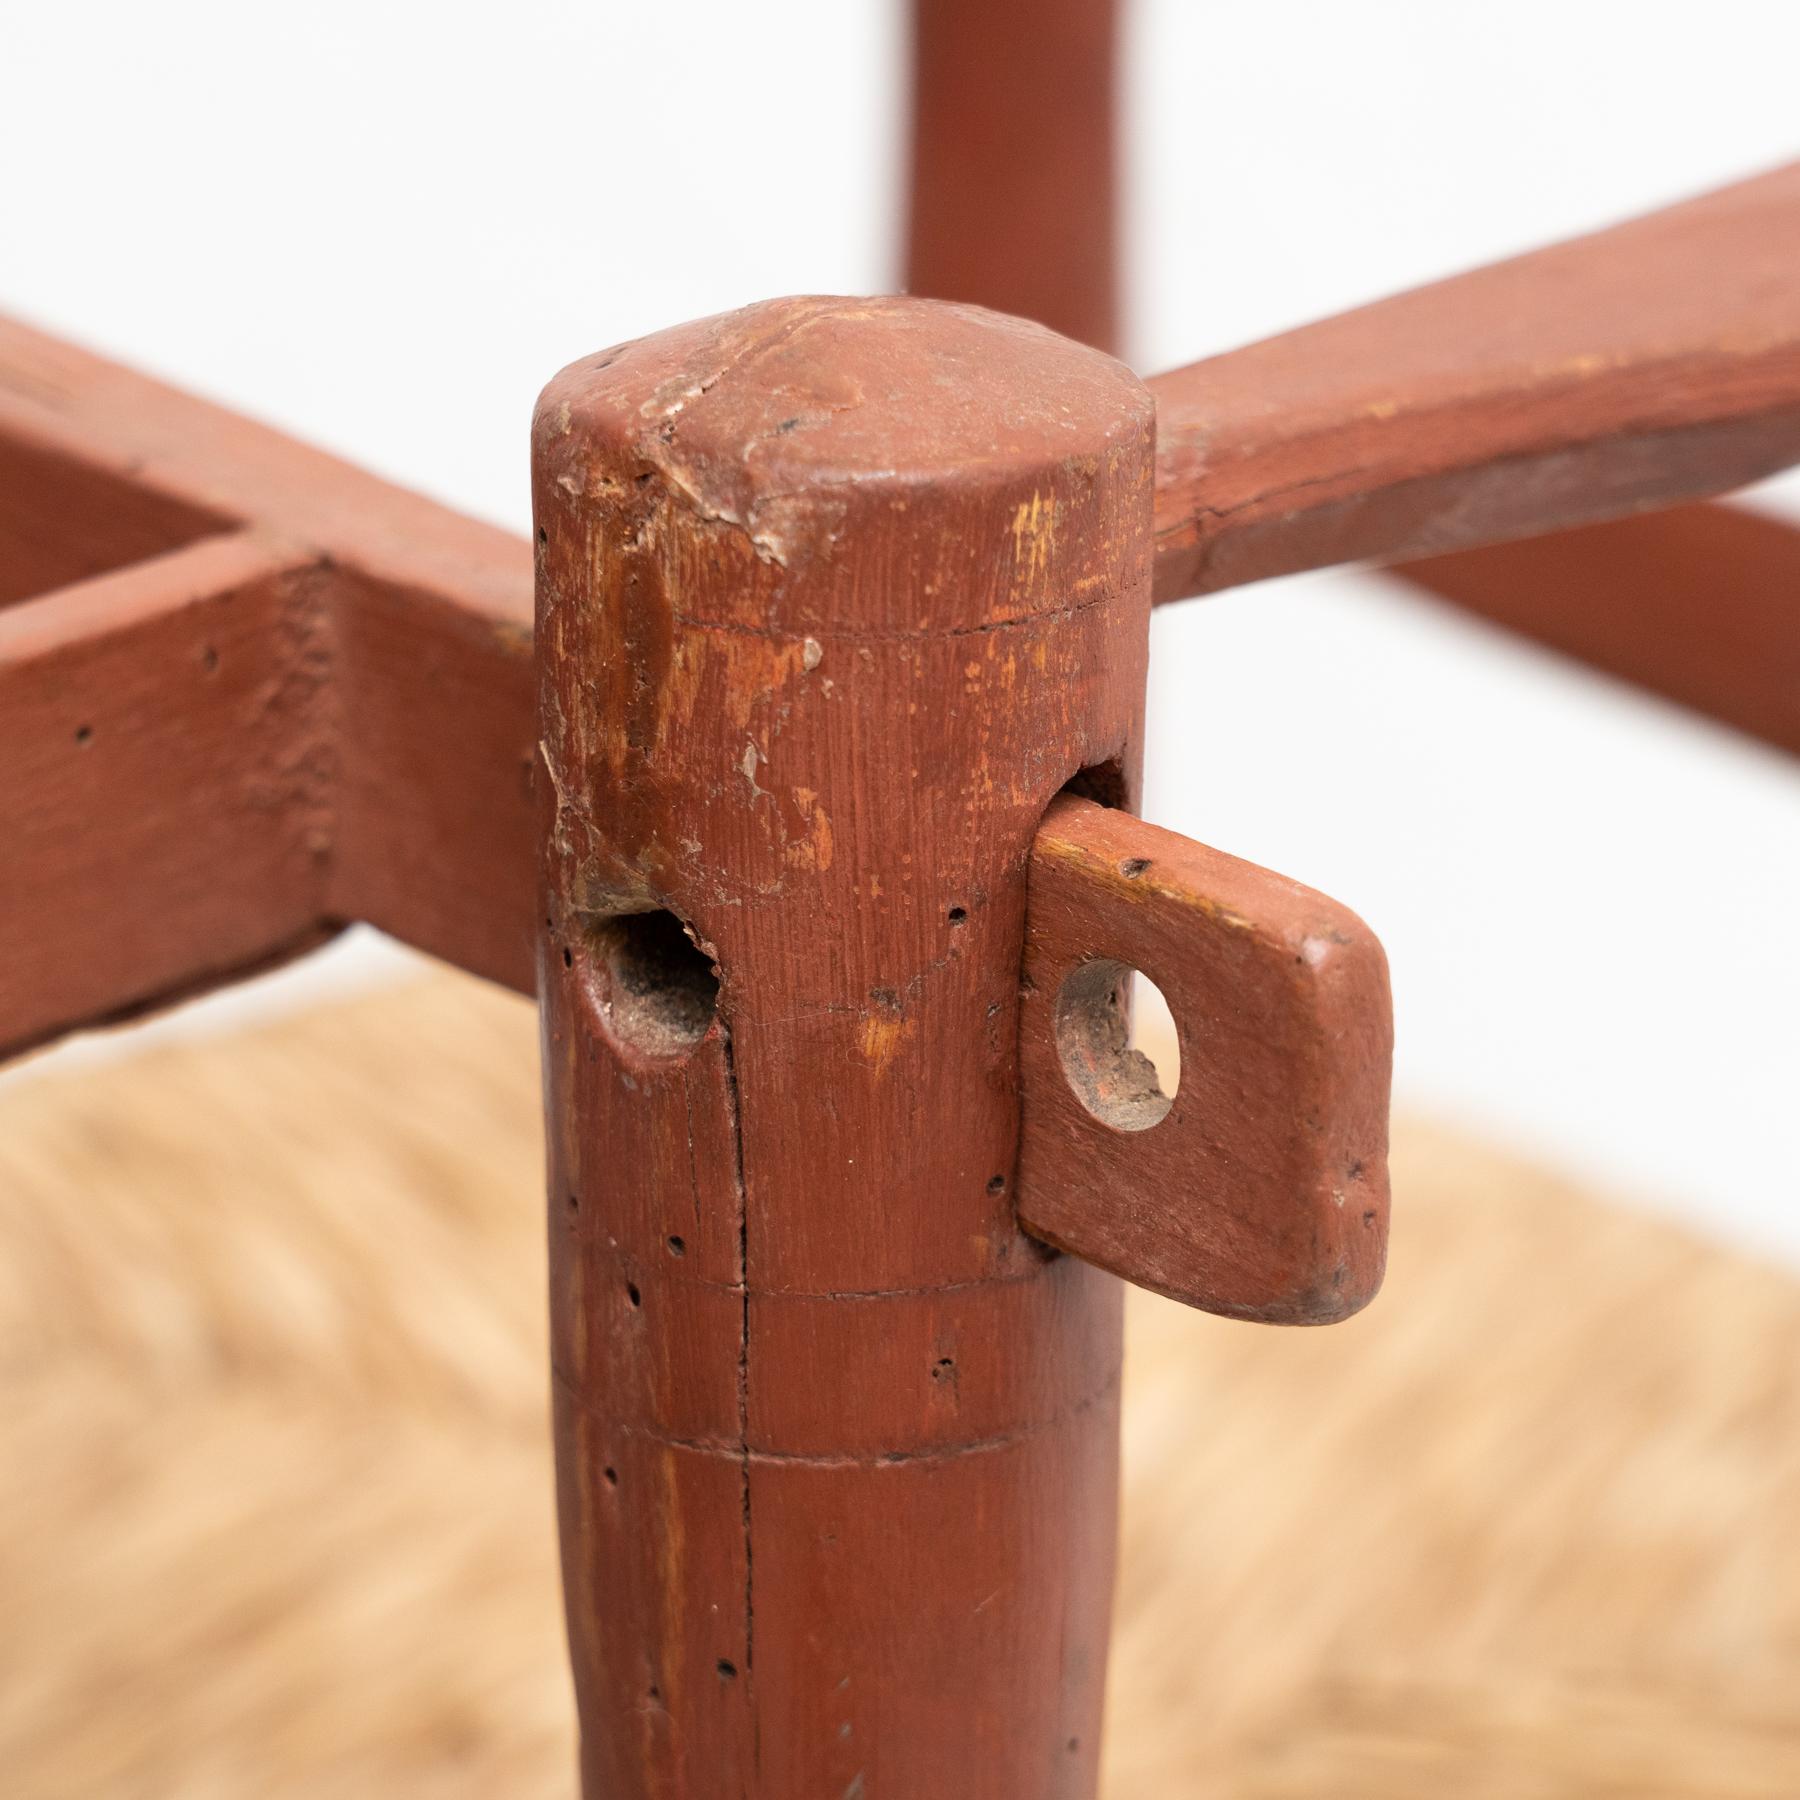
<point x="269" y="694"/>
<point x="167" y="771"/>
<point x="1652" y="363"/>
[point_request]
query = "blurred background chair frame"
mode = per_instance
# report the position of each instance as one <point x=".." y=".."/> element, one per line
<point x="835" y="1057"/>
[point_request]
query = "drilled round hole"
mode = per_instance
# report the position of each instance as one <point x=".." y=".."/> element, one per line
<point x="1110" y="1074"/>
<point x="655" y="988"/>
<point x="1153" y="1032"/>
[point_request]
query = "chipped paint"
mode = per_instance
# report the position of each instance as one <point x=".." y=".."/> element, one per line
<point x="880" y="1038"/>
<point x="813" y="851"/>
<point x="1034" y="535"/>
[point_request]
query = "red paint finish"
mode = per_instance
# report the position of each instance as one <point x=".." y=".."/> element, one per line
<point x="1262" y="1191"/>
<point x="1700" y="604"/>
<point x="1013" y="196"/>
<point x="1655" y="362"/>
<point x="833" y="597"/>
<point x="163" y="812"/>
<point x="393" y="731"/>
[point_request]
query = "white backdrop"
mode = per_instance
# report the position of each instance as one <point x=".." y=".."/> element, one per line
<point x="382" y="226"/>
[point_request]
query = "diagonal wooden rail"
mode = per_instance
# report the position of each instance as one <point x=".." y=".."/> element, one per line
<point x="1700" y="604"/>
<point x="1635" y="368"/>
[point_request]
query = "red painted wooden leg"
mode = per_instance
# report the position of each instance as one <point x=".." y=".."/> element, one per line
<point x="833" y="598"/>
<point x="1013" y="200"/>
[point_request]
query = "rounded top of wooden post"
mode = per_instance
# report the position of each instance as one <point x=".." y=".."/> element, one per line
<point x="787" y="423"/>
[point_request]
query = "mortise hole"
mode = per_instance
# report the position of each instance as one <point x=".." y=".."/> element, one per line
<point x="1103" y="1058"/>
<point x="655" y="988"/>
<point x="1103" y="783"/>
<point x="677" y="1247"/>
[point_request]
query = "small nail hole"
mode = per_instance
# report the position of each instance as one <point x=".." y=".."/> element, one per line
<point x="543" y="535"/>
<point x="1134" y="866"/>
<point x="574" y="1203"/>
<point x="568" y="959"/>
<point x="209" y="660"/>
<point x="632" y="1294"/>
<point x="612" y="1477"/>
<point x="958" y="914"/>
<point x="727" y="1670"/>
<point x="84" y="734"/>
<point x="997" y="1184"/>
<point x="677" y="1247"/>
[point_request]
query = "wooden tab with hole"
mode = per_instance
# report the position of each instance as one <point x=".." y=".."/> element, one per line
<point x="1259" y="1189"/>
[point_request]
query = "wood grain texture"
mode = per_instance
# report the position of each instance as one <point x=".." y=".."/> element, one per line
<point x="167" y="770"/>
<point x="1014" y="165"/>
<point x="1262" y="1191"/>
<point x="1700" y="604"/>
<point x="834" y="597"/>
<point x="1655" y="362"/>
